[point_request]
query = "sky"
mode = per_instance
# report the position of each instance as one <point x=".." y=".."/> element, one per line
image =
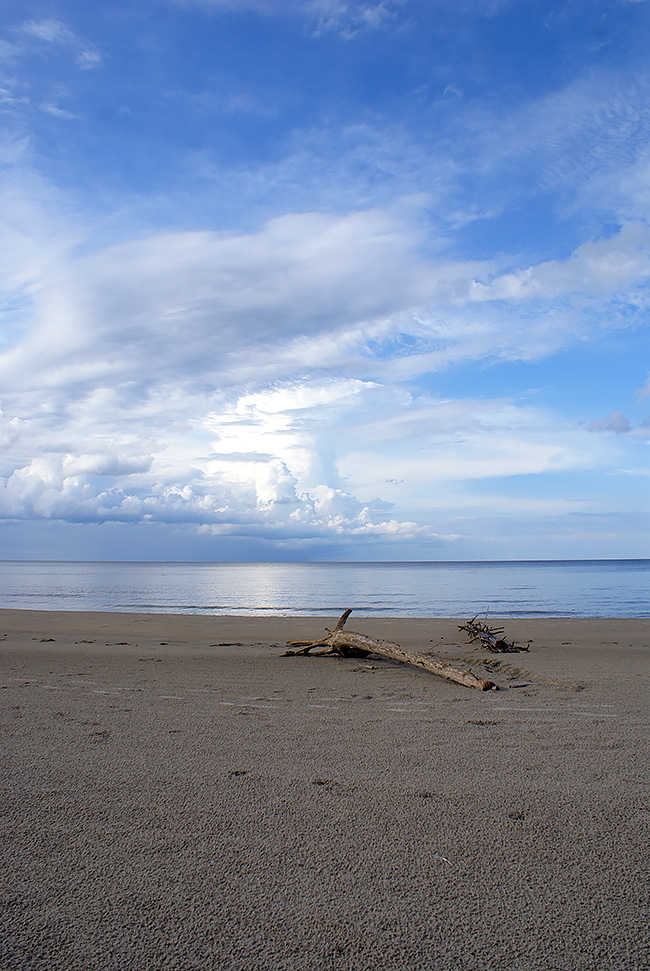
<point x="324" y="279"/>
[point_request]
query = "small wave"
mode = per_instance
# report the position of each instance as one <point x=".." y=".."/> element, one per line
<point x="174" y="606"/>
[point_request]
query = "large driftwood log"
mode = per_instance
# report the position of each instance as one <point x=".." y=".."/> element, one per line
<point x="350" y="644"/>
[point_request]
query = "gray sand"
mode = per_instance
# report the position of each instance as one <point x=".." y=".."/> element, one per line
<point x="181" y="805"/>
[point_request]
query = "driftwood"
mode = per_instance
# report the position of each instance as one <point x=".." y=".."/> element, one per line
<point x="491" y="638"/>
<point x="349" y="644"/>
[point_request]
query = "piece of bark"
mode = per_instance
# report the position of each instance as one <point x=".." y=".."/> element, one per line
<point x="350" y="644"/>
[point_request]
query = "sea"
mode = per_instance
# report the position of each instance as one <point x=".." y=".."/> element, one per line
<point x="525" y="588"/>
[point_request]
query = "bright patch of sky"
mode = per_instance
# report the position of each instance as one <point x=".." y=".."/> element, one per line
<point x="324" y="279"/>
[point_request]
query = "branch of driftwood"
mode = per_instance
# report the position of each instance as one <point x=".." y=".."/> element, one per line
<point x="350" y="644"/>
<point x="491" y="638"/>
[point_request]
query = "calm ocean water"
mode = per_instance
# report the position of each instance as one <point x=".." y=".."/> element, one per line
<point x="553" y="588"/>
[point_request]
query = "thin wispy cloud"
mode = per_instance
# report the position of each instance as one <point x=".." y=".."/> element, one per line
<point x="57" y="33"/>
<point x="344" y="17"/>
<point x="52" y="31"/>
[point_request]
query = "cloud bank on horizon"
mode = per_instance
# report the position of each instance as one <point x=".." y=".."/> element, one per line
<point x="320" y="279"/>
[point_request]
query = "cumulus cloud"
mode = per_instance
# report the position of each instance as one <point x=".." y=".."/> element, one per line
<point x="303" y="461"/>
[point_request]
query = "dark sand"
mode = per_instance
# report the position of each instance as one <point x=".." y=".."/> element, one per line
<point x="182" y="805"/>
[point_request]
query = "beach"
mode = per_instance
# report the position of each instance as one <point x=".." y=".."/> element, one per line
<point x="177" y="794"/>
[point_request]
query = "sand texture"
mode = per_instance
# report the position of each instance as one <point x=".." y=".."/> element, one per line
<point x="178" y="795"/>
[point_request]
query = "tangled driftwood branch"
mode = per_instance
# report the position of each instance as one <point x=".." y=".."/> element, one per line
<point x="491" y="638"/>
<point x="349" y="644"/>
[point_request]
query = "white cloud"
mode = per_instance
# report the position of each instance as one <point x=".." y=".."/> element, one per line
<point x="437" y="445"/>
<point x="278" y="378"/>
<point x="595" y="269"/>
<point x="88" y="59"/>
<point x="251" y="383"/>
<point x="307" y="291"/>
<point x="303" y="461"/>
<point x="580" y="148"/>
<point x="189" y="303"/>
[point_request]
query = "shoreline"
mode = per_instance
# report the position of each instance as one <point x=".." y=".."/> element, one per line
<point x="436" y="634"/>
<point x="94" y="615"/>
<point x="177" y="794"/>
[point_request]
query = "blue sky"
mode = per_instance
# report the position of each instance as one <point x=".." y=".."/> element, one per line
<point x="317" y="279"/>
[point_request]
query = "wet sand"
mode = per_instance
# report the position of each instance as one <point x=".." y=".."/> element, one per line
<point x="176" y="794"/>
